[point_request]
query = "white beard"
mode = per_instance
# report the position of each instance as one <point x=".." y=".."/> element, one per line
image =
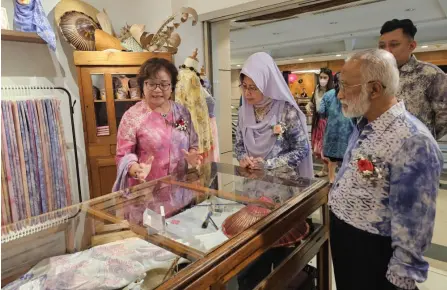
<point x="356" y="107"/>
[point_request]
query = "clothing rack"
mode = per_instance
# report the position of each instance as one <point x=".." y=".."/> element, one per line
<point x="25" y="88"/>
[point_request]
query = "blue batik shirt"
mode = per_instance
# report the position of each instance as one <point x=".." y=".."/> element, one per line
<point x="401" y="201"/>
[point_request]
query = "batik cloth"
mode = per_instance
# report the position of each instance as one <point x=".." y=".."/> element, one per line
<point x="423" y="88"/>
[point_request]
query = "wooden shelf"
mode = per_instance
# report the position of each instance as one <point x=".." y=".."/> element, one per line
<point x="99" y="101"/>
<point x="128" y="100"/>
<point x="19" y="36"/>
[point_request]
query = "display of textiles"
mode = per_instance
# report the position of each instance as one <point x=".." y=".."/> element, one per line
<point x="34" y="171"/>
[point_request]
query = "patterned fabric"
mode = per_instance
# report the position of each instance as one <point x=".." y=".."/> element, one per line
<point x="318" y="123"/>
<point x="318" y="137"/>
<point x="289" y="151"/>
<point x="31" y="18"/>
<point x="338" y="127"/>
<point x="189" y="93"/>
<point x="146" y="133"/>
<point x="111" y="266"/>
<point x="423" y="88"/>
<point x="34" y="160"/>
<point x="402" y="203"/>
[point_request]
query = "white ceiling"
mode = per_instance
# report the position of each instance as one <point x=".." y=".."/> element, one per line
<point x="323" y="35"/>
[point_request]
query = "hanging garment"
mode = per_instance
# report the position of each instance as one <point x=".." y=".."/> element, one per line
<point x="189" y="93"/>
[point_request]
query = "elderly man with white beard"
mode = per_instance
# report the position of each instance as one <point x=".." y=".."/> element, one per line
<point x="383" y="201"/>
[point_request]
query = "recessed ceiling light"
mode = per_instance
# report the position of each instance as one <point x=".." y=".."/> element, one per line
<point x="333" y="22"/>
<point x="410" y="9"/>
<point x="338" y="55"/>
<point x="301" y="59"/>
<point x="238" y="65"/>
<point x="424" y="46"/>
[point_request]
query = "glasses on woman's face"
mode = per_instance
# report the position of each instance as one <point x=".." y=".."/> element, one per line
<point x="153" y="86"/>
<point x="251" y="89"/>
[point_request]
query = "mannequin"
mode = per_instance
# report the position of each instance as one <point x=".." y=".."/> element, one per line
<point x="190" y="93"/>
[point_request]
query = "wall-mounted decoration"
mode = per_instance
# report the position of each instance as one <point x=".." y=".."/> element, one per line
<point x="78" y="29"/>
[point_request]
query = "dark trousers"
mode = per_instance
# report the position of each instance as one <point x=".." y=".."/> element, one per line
<point x="360" y="259"/>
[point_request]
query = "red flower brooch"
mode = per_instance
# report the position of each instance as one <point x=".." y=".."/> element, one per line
<point x="181" y="125"/>
<point x="368" y="169"/>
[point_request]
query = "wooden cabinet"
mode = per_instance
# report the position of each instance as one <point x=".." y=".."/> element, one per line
<point x="103" y="105"/>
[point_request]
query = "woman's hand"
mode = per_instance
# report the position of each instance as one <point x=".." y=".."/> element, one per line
<point x="193" y="157"/>
<point x="141" y="170"/>
<point x="258" y="163"/>
<point x="252" y="163"/>
<point x="246" y="162"/>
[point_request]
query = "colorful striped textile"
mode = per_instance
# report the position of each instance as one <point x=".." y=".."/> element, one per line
<point x="34" y="172"/>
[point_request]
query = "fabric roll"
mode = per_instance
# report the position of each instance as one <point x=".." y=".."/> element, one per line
<point x="6" y="162"/>
<point x="62" y="144"/>
<point x="17" y="166"/>
<point x="46" y="159"/>
<point x="34" y="169"/>
<point x="41" y="183"/>
<point x="52" y="155"/>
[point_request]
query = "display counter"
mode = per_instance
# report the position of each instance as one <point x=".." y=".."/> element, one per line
<point x="211" y="228"/>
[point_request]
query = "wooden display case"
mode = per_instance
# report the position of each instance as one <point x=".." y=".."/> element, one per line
<point x="210" y="259"/>
<point x="102" y="111"/>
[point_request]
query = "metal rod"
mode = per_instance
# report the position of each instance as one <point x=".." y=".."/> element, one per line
<point x="71" y="119"/>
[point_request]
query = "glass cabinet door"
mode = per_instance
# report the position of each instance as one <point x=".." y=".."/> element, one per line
<point x="126" y="93"/>
<point x="99" y="95"/>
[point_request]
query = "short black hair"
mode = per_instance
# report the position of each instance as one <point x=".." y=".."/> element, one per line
<point x="152" y="66"/>
<point x="406" y="25"/>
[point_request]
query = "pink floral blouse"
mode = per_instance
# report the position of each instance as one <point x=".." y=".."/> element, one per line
<point x="146" y="133"/>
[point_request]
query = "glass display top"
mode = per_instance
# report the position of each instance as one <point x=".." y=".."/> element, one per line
<point x="200" y="210"/>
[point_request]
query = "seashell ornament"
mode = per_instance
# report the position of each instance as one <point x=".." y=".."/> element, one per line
<point x="78" y="30"/>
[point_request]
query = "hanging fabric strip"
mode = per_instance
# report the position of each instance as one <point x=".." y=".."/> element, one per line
<point x="13" y="153"/>
<point x="25" y="198"/>
<point x="34" y="169"/>
<point x="41" y="180"/>
<point x="63" y="146"/>
<point x="6" y="163"/>
<point x="46" y="147"/>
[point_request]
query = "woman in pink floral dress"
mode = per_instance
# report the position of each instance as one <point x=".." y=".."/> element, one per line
<point x="156" y="136"/>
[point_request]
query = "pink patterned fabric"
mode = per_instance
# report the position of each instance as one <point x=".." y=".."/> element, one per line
<point x="317" y="138"/>
<point x="146" y="133"/>
<point x="111" y="266"/>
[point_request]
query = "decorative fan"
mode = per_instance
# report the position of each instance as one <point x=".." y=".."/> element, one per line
<point x="78" y="30"/>
<point x="250" y="214"/>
